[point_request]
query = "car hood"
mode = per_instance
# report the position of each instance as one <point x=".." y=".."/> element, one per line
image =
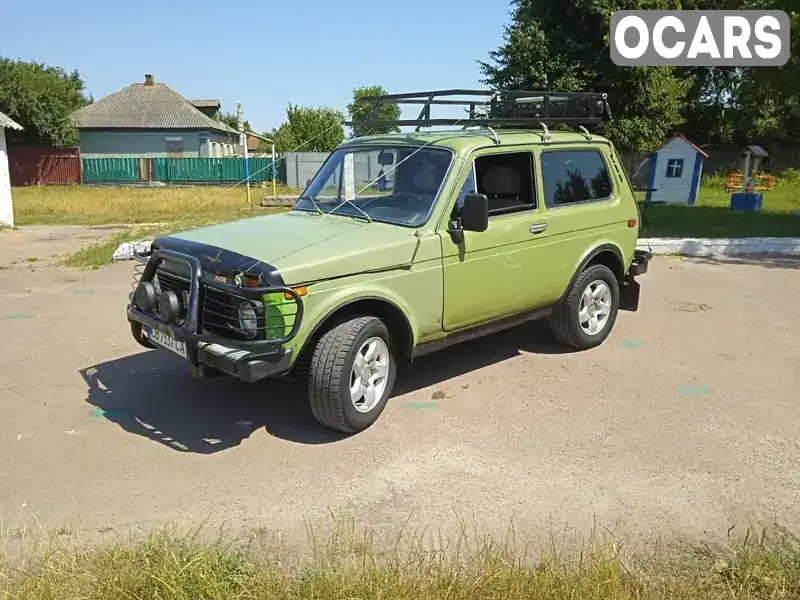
<point x="297" y="247"/>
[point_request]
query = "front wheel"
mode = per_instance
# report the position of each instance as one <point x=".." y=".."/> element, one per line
<point x="351" y="374"/>
<point x="589" y="311"/>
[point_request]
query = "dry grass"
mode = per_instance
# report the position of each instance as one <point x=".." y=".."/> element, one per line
<point x="347" y="565"/>
<point x="102" y="205"/>
<point x="160" y="210"/>
<point x="155" y="211"/>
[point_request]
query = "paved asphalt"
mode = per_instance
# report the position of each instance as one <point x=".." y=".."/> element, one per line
<point x="685" y="421"/>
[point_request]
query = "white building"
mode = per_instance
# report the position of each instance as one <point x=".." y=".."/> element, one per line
<point x="675" y="171"/>
<point x="6" y="207"/>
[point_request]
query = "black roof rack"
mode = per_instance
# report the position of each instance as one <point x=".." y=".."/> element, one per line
<point x="494" y="108"/>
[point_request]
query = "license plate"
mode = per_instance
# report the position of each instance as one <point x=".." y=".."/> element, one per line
<point x="167" y="341"/>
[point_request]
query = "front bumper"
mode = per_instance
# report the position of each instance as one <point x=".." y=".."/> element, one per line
<point x="241" y="364"/>
<point x="249" y="360"/>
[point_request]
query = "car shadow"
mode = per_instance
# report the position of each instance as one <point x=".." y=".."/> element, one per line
<point x="152" y="394"/>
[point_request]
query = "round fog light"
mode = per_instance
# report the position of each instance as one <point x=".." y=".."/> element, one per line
<point x="169" y="306"/>
<point x="248" y="321"/>
<point x="145" y="296"/>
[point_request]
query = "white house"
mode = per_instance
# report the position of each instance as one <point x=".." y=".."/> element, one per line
<point x="675" y="171"/>
<point x="6" y="208"/>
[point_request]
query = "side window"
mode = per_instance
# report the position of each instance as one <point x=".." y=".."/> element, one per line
<point x="507" y="180"/>
<point x="571" y="176"/>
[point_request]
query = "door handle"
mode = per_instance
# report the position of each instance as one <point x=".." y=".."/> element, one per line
<point x="539" y="228"/>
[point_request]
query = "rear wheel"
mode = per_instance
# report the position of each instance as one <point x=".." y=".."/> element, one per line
<point x="351" y="375"/>
<point x="587" y="315"/>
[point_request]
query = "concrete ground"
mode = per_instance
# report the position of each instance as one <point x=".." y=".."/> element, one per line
<point x="685" y="421"/>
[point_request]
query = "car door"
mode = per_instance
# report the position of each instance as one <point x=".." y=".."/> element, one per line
<point x="497" y="272"/>
<point x="580" y="195"/>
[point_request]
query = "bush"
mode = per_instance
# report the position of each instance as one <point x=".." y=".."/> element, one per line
<point x="788" y="178"/>
<point x="713" y="180"/>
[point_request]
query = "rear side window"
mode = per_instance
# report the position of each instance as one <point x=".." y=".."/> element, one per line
<point x="571" y="176"/>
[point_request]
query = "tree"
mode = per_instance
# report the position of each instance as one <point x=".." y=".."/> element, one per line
<point x="540" y="52"/>
<point x="358" y="109"/>
<point x="230" y="120"/>
<point x="308" y="129"/>
<point x="745" y="105"/>
<point x="42" y="100"/>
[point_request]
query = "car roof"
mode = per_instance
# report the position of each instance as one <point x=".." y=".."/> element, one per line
<point x="463" y="141"/>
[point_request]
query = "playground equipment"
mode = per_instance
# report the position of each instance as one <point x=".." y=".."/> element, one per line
<point x="735" y="181"/>
<point x="750" y="197"/>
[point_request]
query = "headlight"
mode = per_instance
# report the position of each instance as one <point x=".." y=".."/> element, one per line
<point x="248" y="321"/>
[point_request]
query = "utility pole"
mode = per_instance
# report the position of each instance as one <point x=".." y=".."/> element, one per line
<point x="243" y="142"/>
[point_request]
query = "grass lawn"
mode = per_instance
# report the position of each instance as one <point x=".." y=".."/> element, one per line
<point x="153" y="211"/>
<point x="712" y="217"/>
<point x="101" y="205"/>
<point x="161" y="210"/>
<point x="349" y="566"/>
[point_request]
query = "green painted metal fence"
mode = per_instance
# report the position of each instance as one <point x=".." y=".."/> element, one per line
<point x="110" y="169"/>
<point x="177" y="170"/>
<point x="212" y="169"/>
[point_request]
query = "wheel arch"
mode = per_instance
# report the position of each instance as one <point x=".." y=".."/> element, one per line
<point x="388" y="311"/>
<point x="607" y="254"/>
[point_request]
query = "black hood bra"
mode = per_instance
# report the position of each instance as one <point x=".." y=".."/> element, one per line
<point x="220" y="261"/>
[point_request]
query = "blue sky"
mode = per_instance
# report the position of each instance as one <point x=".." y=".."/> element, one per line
<point x="263" y="54"/>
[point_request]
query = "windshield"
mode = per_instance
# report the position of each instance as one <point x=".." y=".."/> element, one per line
<point x="395" y="184"/>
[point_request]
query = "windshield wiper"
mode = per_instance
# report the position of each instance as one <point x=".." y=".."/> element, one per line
<point x="332" y="212"/>
<point x="314" y="203"/>
<point x="351" y="203"/>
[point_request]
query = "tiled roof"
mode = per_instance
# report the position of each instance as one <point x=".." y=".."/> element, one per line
<point x="9" y="123"/>
<point x="206" y="103"/>
<point x="141" y="106"/>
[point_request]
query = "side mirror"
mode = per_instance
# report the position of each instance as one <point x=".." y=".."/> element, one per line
<point x="475" y="213"/>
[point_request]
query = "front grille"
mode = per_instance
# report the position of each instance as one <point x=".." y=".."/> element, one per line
<point x="275" y="316"/>
<point x="219" y="310"/>
<point x="221" y="313"/>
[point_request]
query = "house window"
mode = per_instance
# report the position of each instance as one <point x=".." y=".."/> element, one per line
<point x="174" y="145"/>
<point x="675" y="168"/>
<point x="571" y="176"/>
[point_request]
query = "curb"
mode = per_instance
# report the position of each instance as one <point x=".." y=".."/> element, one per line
<point x="720" y="246"/>
<point x="278" y="200"/>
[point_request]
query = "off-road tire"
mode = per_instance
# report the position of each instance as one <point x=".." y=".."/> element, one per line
<point x="330" y="369"/>
<point x="564" y="322"/>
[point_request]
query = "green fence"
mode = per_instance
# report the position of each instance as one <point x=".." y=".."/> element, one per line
<point x="211" y="169"/>
<point x="110" y="169"/>
<point x="177" y="170"/>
